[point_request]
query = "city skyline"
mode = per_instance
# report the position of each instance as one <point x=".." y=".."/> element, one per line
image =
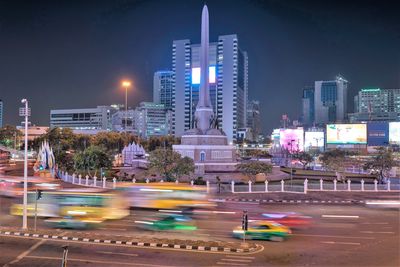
<point x="103" y="43"/>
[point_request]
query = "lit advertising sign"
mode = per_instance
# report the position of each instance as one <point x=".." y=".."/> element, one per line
<point x="292" y="139"/>
<point x="342" y="134"/>
<point x="314" y="140"/>
<point x="378" y="133"/>
<point x="211" y="75"/>
<point x="394" y="132"/>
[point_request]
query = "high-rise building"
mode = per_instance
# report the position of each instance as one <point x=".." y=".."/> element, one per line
<point x="162" y="88"/>
<point x="82" y="119"/>
<point x="228" y="83"/>
<point x="152" y="119"/>
<point x="330" y="101"/>
<point x="1" y="113"/>
<point x="376" y="105"/>
<point x="254" y="118"/>
<point x="308" y="105"/>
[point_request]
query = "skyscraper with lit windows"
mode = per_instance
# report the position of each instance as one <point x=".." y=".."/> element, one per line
<point x="228" y="79"/>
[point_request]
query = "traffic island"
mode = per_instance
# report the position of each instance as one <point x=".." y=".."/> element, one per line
<point x="90" y="237"/>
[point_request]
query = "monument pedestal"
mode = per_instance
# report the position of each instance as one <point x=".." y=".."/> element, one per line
<point x="210" y="153"/>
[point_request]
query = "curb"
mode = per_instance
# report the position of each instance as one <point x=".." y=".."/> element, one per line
<point x="135" y="244"/>
<point x="290" y="201"/>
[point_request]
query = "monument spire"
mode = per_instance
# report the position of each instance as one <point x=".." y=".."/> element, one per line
<point x="204" y="112"/>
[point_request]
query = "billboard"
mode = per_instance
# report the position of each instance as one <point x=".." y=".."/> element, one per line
<point x="196" y="75"/>
<point x="292" y="139"/>
<point x="341" y="134"/>
<point x="378" y="133"/>
<point x="394" y="132"/>
<point x="314" y="140"/>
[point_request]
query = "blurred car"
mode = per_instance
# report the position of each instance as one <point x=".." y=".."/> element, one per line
<point x="291" y="219"/>
<point x="168" y="222"/>
<point x="73" y="223"/>
<point x="263" y="230"/>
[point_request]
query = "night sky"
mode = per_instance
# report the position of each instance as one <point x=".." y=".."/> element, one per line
<point x="73" y="54"/>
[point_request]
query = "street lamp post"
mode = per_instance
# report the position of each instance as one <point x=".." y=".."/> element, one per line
<point x="126" y="84"/>
<point x="25" y="112"/>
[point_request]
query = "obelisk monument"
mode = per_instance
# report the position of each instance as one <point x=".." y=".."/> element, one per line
<point x="204" y="112"/>
<point x="205" y="143"/>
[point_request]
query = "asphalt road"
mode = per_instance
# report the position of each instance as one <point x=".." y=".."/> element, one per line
<point x="342" y="235"/>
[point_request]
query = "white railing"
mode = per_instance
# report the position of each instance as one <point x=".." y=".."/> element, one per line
<point x="104" y="182"/>
<point x="251" y="187"/>
<point x="287" y="186"/>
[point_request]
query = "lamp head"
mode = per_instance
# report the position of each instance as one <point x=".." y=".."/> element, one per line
<point x="23" y="101"/>
<point x="126" y="83"/>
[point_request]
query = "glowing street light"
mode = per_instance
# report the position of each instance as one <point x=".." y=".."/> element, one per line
<point x="126" y="84"/>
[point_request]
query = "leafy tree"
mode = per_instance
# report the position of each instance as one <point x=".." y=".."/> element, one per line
<point x="9" y="136"/>
<point x="258" y="153"/>
<point x="110" y="141"/>
<point x="252" y="168"/>
<point x="304" y="158"/>
<point x="334" y="160"/>
<point x="381" y="163"/>
<point x="91" y="160"/>
<point x="170" y="164"/>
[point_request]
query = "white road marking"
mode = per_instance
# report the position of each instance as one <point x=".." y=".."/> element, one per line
<point x="371" y="232"/>
<point x="240" y="257"/>
<point x="335" y="236"/>
<point x="110" y="263"/>
<point x="25" y="253"/>
<point x="341" y="216"/>
<point x="340" y="243"/>
<point x="118" y="253"/>
<point x="236" y="260"/>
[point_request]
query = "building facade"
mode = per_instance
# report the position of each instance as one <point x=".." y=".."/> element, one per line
<point x="162" y="88"/>
<point x="228" y="81"/>
<point x="308" y="111"/>
<point x="152" y="119"/>
<point x="1" y="113"/>
<point x="82" y="119"/>
<point x="33" y="131"/>
<point x="376" y="105"/>
<point x="124" y="121"/>
<point x="330" y="101"/>
<point x="254" y="119"/>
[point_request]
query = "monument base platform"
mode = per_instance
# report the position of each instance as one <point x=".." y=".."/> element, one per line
<point x="210" y="153"/>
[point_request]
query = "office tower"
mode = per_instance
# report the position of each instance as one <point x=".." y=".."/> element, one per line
<point x="308" y="105"/>
<point x="228" y="83"/>
<point x="83" y="119"/>
<point x="330" y="99"/>
<point x="152" y="119"/>
<point x="162" y="88"/>
<point x="376" y="105"/>
<point x="254" y="118"/>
